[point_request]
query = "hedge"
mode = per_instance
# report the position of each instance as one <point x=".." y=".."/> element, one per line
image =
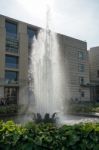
<point x="8" y="109"/>
<point x="48" y="136"/>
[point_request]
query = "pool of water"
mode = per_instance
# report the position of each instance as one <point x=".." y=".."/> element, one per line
<point x="68" y="119"/>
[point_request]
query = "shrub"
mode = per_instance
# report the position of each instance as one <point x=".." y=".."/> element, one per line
<point x="47" y="136"/>
<point x="83" y="108"/>
<point x="8" y="109"/>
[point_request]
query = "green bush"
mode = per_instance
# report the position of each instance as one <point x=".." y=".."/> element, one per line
<point x="8" y="109"/>
<point x="83" y="108"/>
<point x="48" y="136"/>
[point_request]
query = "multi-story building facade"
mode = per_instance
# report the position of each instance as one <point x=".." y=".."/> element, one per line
<point x="75" y="55"/>
<point x="15" y="45"/>
<point x="94" y="73"/>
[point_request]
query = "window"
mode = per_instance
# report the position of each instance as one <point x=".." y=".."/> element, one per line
<point x="81" y="80"/>
<point x="11" y="76"/>
<point x="98" y="73"/>
<point x="11" y="28"/>
<point x="81" y="67"/>
<point x="82" y="94"/>
<point x="11" y="94"/>
<point x="12" y="43"/>
<point x="31" y="33"/>
<point x="11" y="61"/>
<point x="81" y="55"/>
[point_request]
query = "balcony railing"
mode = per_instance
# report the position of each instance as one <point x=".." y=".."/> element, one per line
<point x="4" y="101"/>
<point x="82" y="83"/>
<point x="85" y="84"/>
<point x="7" y="81"/>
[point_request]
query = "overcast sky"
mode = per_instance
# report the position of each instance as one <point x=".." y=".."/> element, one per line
<point x="76" y="18"/>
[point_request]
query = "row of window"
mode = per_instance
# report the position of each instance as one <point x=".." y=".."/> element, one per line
<point x="81" y="68"/>
<point x="12" y="62"/>
<point x="12" y="76"/>
<point x="12" y="43"/>
<point x="11" y="28"/>
<point x="81" y="56"/>
<point x="11" y="93"/>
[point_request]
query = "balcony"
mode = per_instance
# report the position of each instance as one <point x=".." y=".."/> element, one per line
<point x="84" y="84"/>
<point x="5" y="82"/>
<point x="11" y="82"/>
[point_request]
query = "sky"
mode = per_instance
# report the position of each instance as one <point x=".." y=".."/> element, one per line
<point x="75" y="18"/>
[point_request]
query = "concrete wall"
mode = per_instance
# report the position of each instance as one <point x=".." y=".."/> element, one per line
<point x="23" y="62"/>
<point x="2" y="54"/>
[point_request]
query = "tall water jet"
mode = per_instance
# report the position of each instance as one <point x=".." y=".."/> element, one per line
<point x="46" y="73"/>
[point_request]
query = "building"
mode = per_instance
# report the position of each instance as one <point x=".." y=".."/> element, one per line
<point x="75" y="55"/>
<point x="94" y="73"/>
<point x="15" y="45"/>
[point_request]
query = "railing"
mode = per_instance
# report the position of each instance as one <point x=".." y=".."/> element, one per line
<point x="85" y="84"/>
<point x="82" y="83"/>
<point x="19" y="82"/>
<point x="8" y="100"/>
<point x="11" y="81"/>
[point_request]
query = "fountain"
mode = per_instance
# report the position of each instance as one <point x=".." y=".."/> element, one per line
<point x="48" y="88"/>
<point x="47" y="76"/>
